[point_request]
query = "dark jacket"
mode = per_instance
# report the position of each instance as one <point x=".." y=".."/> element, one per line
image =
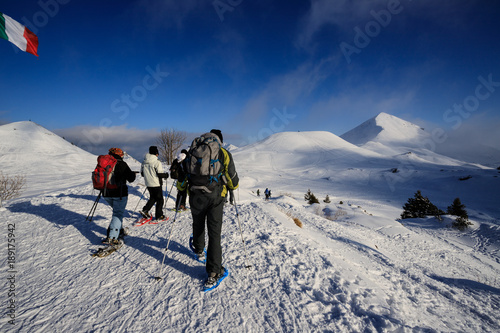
<point x="122" y="175"/>
<point x="230" y="175"/>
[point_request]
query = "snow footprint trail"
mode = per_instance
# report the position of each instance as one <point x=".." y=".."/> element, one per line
<point x="297" y="286"/>
<point x="326" y="276"/>
<point x="380" y="291"/>
<point x="311" y="280"/>
<point x="270" y="291"/>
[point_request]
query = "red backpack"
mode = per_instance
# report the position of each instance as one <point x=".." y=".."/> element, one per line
<point x="103" y="175"/>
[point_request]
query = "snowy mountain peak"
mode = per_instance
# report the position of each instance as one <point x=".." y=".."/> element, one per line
<point x="26" y="126"/>
<point x="29" y="138"/>
<point x="387" y="120"/>
<point x="386" y="129"/>
<point x="229" y="146"/>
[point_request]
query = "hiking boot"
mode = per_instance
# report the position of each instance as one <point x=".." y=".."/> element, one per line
<point x="200" y="256"/>
<point x="123" y="233"/>
<point x="211" y="281"/>
<point x="161" y="218"/>
<point x="213" y="278"/>
<point x="106" y="240"/>
<point x="145" y="214"/>
<point x="115" y="242"/>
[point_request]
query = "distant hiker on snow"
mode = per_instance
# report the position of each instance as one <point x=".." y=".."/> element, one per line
<point x="152" y="171"/>
<point x="175" y="171"/>
<point x="117" y="196"/>
<point x="210" y="172"/>
<point x="267" y="192"/>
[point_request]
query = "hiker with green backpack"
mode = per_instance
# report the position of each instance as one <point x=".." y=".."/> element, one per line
<point x="209" y="174"/>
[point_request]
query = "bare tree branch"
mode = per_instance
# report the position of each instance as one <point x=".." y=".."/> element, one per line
<point x="10" y="187"/>
<point x="169" y="142"/>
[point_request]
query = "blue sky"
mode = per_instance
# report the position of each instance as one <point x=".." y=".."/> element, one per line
<point x="116" y="72"/>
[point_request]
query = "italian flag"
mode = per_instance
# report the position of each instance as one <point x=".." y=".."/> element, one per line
<point x="18" y="34"/>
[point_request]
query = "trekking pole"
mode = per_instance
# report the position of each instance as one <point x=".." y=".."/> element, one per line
<point x="241" y="233"/>
<point x="142" y="196"/>
<point x="158" y="278"/>
<point x="90" y="216"/>
<point x="168" y="195"/>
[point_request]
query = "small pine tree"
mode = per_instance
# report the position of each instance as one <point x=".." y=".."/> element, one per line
<point x="307" y="196"/>
<point x="461" y="223"/>
<point x="458" y="209"/>
<point x="310" y="197"/>
<point x="419" y="206"/>
<point x="327" y="199"/>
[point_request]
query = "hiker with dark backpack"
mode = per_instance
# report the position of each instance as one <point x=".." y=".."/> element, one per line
<point x="175" y="172"/>
<point x="152" y="171"/>
<point x="113" y="184"/>
<point x="210" y="173"/>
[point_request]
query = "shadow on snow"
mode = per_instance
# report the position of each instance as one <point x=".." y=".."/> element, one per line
<point x="94" y="233"/>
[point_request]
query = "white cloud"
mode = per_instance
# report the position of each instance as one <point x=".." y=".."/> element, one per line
<point x="477" y="139"/>
<point x="284" y="91"/>
<point x="347" y="14"/>
<point x="98" y="140"/>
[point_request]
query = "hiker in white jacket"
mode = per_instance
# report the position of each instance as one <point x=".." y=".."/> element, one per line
<point x="152" y="171"/>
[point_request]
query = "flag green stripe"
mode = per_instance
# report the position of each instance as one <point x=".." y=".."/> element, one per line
<point x="3" y="34"/>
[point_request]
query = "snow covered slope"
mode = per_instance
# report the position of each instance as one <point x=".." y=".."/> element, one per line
<point x="388" y="130"/>
<point x="302" y="151"/>
<point x="326" y="162"/>
<point x="392" y="136"/>
<point x="48" y="162"/>
<point x="352" y="267"/>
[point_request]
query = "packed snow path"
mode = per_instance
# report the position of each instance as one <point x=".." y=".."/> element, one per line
<point x="362" y="272"/>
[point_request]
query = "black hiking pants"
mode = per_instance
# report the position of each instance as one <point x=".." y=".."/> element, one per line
<point x="155" y="197"/>
<point x="208" y="208"/>
<point x="181" y="199"/>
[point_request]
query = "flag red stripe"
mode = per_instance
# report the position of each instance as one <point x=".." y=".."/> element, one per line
<point x="32" y="45"/>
